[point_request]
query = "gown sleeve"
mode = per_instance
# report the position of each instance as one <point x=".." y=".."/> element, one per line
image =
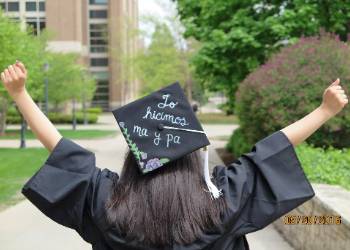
<point x="65" y="188"/>
<point x="263" y="184"/>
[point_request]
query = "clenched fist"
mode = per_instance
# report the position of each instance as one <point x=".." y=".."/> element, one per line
<point x="334" y="98"/>
<point x="14" y="77"/>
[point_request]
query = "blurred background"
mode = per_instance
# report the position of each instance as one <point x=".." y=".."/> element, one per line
<point x="252" y="67"/>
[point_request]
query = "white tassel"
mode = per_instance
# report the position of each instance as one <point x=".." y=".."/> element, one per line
<point x="214" y="191"/>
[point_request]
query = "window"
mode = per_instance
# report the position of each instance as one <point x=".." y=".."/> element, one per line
<point x="100" y="2"/>
<point x="41" y="6"/>
<point x="33" y="27"/>
<point x="98" y="38"/>
<point x="30" y="6"/>
<point x="98" y="27"/>
<point x="98" y="14"/>
<point x="42" y="25"/>
<point x="99" y="62"/>
<point x="98" y="49"/>
<point x="36" y="24"/>
<point x="101" y="75"/>
<point x="98" y="42"/>
<point x="12" y="6"/>
<point x="3" y="6"/>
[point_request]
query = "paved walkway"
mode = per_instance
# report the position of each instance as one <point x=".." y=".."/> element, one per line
<point x="23" y="227"/>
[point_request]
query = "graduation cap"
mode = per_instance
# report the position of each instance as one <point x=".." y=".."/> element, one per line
<point x="162" y="127"/>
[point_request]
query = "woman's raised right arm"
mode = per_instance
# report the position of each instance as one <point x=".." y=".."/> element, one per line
<point x="14" y="78"/>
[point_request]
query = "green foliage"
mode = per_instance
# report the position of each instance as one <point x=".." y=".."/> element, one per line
<point x="68" y="118"/>
<point x="67" y="79"/>
<point x="160" y="64"/>
<point x="238" y="36"/>
<point x="17" y="44"/>
<point x="94" y="110"/>
<point x="59" y="118"/>
<point x="237" y="143"/>
<point x="330" y="166"/>
<point x="14" y="134"/>
<point x="290" y="85"/>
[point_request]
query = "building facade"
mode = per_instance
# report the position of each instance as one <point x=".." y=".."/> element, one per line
<point x="101" y="31"/>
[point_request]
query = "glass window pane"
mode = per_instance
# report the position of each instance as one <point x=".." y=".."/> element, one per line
<point x="42" y="25"/>
<point x="2" y="6"/>
<point x="98" y="42"/>
<point x="98" y="27"/>
<point x="98" y="34"/>
<point x="41" y="6"/>
<point x="99" y="62"/>
<point x="98" y="13"/>
<point x="102" y="2"/>
<point x="33" y="26"/>
<point x="30" y="6"/>
<point x="101" y="75"/>
<point x="12" y="6"/>
<point x="98" y="49"/>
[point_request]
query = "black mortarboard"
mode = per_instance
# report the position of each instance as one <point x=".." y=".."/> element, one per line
<point x="161" y="127"/>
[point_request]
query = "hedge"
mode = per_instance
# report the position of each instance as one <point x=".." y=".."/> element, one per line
<point x="60" y="118"/>
<point x="289" y="86"/>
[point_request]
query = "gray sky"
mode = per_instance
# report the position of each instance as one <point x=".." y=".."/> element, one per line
<point x="153" y="8"/>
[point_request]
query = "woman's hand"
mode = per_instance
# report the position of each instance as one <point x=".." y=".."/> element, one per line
<point x="14" y="78"/>
<point x="334" y="99"/>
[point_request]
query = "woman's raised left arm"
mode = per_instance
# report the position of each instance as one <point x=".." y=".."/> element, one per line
<point x="334" y="100"/>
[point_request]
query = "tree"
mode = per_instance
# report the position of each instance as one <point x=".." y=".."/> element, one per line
<point x="67" y="79"/>
<point x="17" y="44"/>
<point x="159" y="64"/>
<point x="168" y="52"/>
<point x="238" y="36"/>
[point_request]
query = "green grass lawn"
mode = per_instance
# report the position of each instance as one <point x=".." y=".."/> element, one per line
<point x="16" y="166"/>
<point x="217" y="118"/>
<point x="68" y="133"/>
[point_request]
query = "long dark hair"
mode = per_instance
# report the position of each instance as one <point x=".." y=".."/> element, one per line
<point x="166" y="206"/>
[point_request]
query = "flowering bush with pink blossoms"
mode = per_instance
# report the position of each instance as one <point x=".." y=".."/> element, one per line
<point x="289" y="86"/>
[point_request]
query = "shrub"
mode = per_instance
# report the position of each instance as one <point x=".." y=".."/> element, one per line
<point x="60" y="118"/>
<point x="94" y="110"/>
<point x="330" y="166"/>
<point x="290" y="85"/>
<point x="238" y="143"/>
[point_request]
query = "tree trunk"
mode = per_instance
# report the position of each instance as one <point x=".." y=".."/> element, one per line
<point x="189" y="88"/>
<point x="3" y="112"/>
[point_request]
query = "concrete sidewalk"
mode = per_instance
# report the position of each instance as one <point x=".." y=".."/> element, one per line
<point x="24" y="227"/>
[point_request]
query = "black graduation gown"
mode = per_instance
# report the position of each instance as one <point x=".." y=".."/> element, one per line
<point x="260" y="186"/>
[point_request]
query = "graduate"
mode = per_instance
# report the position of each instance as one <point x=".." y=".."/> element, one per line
<point x="165" y="197"/>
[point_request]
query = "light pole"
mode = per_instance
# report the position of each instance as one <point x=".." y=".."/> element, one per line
<point x="23" y="132"/>
<point x="46" y="82"/>
<point x="84" y="97"/>
<point x="74" y="115"/>
<point x="23" y="129"/>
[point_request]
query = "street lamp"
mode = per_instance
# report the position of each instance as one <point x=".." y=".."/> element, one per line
<point x="83" y="72"/>
<point x="23" y="129"/>
<point x="23" y="132"/>
<point x="74" y="114"/>
<point x="46" y="82"/>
